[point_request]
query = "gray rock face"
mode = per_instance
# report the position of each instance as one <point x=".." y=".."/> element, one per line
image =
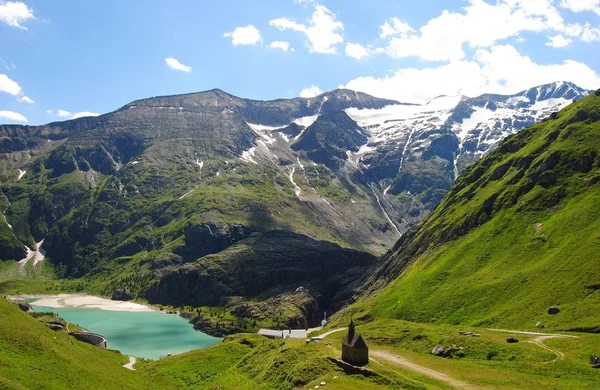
<point x="209" y="238"/>
<point x="418" y="151"/>
<point x="265" y="266"/>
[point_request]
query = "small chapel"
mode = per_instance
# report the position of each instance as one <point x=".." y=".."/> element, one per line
<point x="354" y="348"/>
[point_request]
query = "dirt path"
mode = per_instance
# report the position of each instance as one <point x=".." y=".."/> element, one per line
<point x="539" y="341"/>
<point x="331" y="332"/>
<point x="132" y="361"/>
<point x="407" y="364"/>
<point x="431" y="373"/>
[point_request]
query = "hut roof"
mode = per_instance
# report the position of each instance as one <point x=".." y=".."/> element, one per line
<point x="356" y="342"/>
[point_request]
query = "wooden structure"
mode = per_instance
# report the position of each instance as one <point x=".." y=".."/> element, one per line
<point x="354" y="348"/>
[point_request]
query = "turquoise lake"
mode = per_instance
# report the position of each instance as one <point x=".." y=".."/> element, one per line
<point x="147" y="334"/>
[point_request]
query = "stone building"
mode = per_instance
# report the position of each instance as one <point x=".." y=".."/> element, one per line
<point x="354" y="348"/>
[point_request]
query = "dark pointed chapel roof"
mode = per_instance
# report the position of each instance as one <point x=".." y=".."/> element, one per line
<point x="352" y="339"/>
<point x="356" y="342"/>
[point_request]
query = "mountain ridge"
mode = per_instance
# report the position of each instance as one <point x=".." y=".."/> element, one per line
<point x="146" y="181"/>
<point x="515" y="234"/>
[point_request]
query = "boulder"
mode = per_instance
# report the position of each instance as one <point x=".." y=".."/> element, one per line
<point x="439" y="350"/>
<point x="25" y="307"/>
<point x="511" y="340"/>
<point x="539" y="324"/>
<point x="553" y="310"/>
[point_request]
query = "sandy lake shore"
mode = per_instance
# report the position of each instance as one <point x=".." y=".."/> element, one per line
<point x="84" y="301"/>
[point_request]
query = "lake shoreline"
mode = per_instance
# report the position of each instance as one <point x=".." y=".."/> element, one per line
<point x="132" y="328"/>
<point x="82" y="301"/>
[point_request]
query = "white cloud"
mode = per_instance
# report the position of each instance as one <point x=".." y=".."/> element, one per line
<point x="70" y="115"/>
<point x="558" y="41"/>
<point x="14" y="13"/>
<point x="176" y="65"/>
<point x="499" y="69"/>
<point x="282" y="45"/>
<point x="590" y="34"/>
<point x="356" y="51"/>
<point x="479" y="25"/>
<point x="396" y="27"/>
<point x="9" y="86"/>
<point x="323" y="31"/>
<point x="12" y="116"/>
<point x="63" y="113"/>
<point x="248" y="35"/>
<point x="60" y="113"/>
<point x="83" y="114"/>
<point x="311" y="91"/>
<point x="25" y="99"/>
<point x="581" y="5"/>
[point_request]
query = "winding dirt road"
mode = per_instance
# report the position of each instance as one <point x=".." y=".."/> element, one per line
<point x="443" y="377"/>
<point x="407" y="364"/>
<point x="539" y="341"/>
<point x="431" y="373"/>
<point x="132" y="361"/>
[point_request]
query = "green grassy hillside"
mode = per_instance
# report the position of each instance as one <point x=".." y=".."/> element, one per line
<point x="33" y="356"/>
<point x="518" y="232"/>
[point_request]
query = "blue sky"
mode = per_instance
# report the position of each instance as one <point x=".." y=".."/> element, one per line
<point x="60" y="59"/>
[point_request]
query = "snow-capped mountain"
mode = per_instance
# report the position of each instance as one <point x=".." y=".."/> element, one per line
<point x="342" y="166"/>
<point x="478" y="123"/>
<point x="419" y="150"/>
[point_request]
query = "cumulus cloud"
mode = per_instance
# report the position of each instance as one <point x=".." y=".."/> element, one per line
<point x="14" y="13"/>
<point x="479" y="25"/>
<point x="499" y="69"/>
<point x="394" y="26"/>
<point x="25" y="99"/>
<point x="590" y="34"/>
<point x="281" y="45"/>
<point x="311" y="91"/>
<point x="176" y="65"/>
<point x="356" y="51"/>
<point x="70" y="115"/>
<point x="9" y="86"/>
<point x="12" y="116"/>
<point x="62" y="113"/>
<point x="323" y="31"/>
<point x="247" y="35"/>
<point x="82" y="114"/>
<point x="558" y="41"/>
<point x="581" y="5"/>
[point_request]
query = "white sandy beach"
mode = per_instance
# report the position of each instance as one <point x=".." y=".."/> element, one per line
<point x="85" y="302"/>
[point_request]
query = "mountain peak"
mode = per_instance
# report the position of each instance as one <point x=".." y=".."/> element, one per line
<point x="555" y="90"/>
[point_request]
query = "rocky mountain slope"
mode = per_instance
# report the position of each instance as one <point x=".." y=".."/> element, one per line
<point x="517" y="233"/>
<point x="191" y="175"/>
<point x="415" y="153"/>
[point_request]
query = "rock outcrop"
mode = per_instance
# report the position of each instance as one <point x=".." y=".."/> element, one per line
<point x="269" y="266"/>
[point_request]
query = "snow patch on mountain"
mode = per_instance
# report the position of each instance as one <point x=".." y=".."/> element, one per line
<point x="261" y="128"/>
<point x="394" y="121"/>
<point x="297" y="189"/>
<point x="248" y="155"/>
<point x="306" y="121"/>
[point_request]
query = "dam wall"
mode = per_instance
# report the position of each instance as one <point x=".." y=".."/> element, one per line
<point x="91" y="338"/>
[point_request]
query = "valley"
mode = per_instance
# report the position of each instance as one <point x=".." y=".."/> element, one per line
<point x="244" y="214"/>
